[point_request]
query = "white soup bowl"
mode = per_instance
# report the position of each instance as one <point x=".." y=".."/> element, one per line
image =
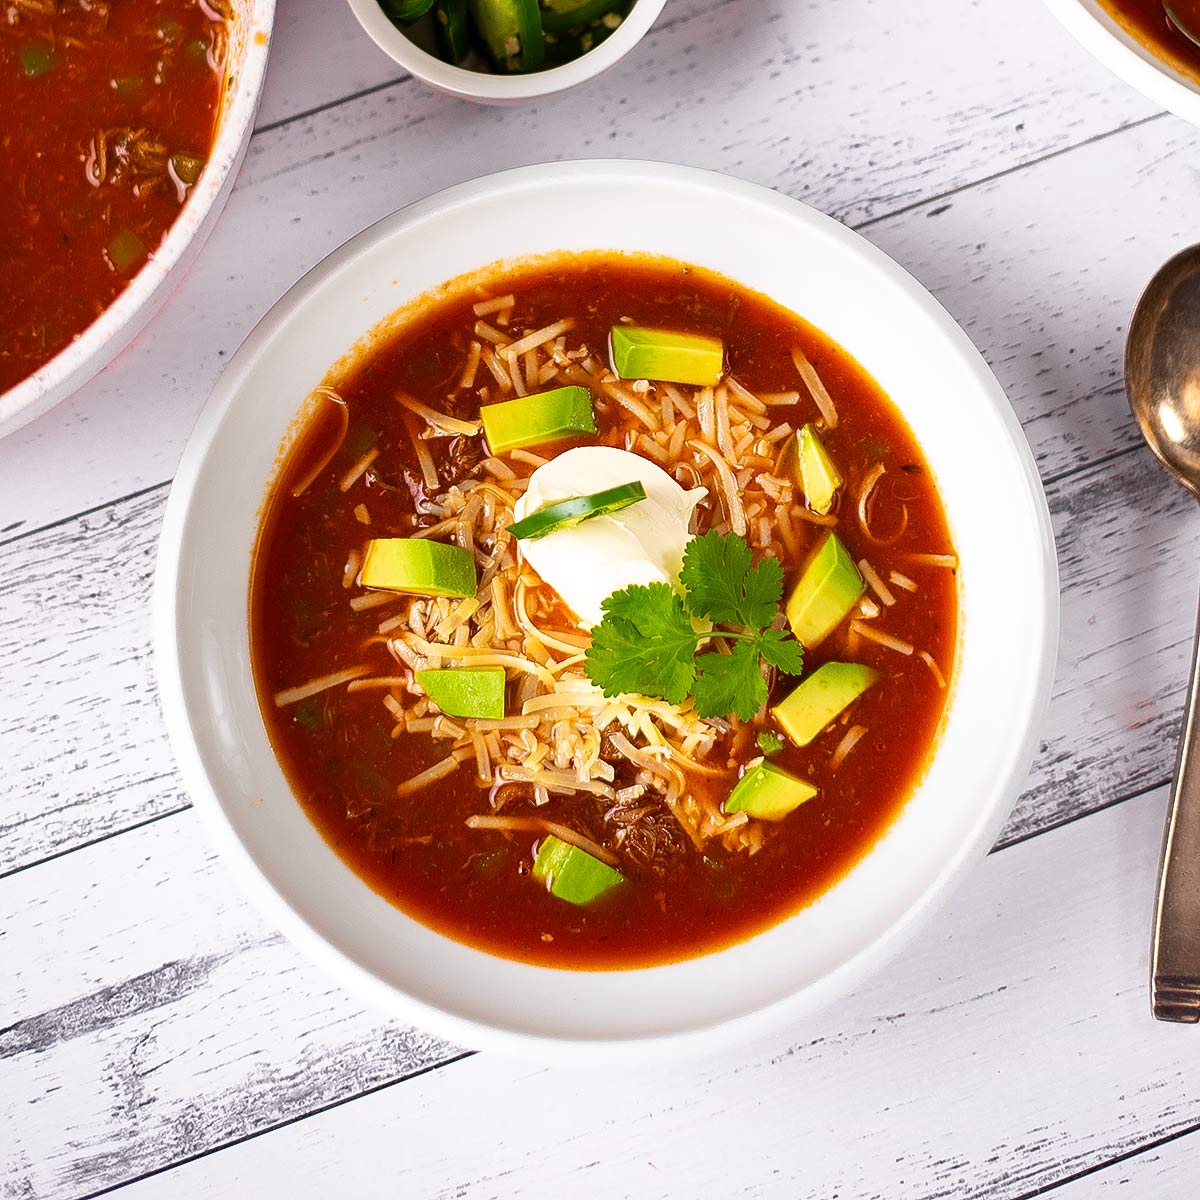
<point x="1008" y="610"/>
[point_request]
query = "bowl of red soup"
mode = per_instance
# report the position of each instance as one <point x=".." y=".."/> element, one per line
<point x="1138" y="41"/>
<point x="144" y="110"/>
<point x="627" y="637"/>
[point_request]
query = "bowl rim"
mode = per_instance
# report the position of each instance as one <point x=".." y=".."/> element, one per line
<point x="100" y="342"/>
<point x="1115" y="48"/>
<point x="502" y="89"/>
<point x="694" y="1040"/>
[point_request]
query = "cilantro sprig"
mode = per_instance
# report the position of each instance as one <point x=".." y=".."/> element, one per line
<point x="648" y="642"/>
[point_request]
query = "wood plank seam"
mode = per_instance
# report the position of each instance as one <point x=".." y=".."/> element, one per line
<point x="1006" y="172"/>
<point x="1021" y="839"/>
<point x="1148" y="1147"/>
<point x="318" y="109"/>
<point x="460" y="1056"/>
<point x="86" y="512"/>
<point x="96" y="841"/>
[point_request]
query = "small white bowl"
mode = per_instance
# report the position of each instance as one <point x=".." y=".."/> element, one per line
<point x="124" y="318"/>
<point x="487" y="88"/>
<point x="1008" y="589"/>
<point x="1092" y="26"/>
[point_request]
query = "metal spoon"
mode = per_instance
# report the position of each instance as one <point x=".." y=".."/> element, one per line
<point x="1162" y="378"/>
<point x="1189" y="23"/>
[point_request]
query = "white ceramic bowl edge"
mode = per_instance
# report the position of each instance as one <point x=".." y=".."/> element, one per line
<point x="970" y="436"/>
<point x="1092" y="26"/>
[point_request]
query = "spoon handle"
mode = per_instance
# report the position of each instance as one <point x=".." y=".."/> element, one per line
<point x="1175" y="964"/>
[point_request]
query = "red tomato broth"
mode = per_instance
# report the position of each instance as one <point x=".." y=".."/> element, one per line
<point x="1147" y="21"/>
<point x="112" y="107"/>
<point x="475" y="885"/>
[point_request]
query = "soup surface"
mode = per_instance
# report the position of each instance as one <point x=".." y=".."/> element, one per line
<point x="1146" y="21"/>
<point x="107" y="114"/>
<point x="393" y="449"/>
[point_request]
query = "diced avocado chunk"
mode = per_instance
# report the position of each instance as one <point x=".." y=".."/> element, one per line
<point x="512" y="32"/>
<point x="660" y="354"/>
<point x="572" y="874"/>
<point x="822" y="696"/>
<point x="769" y="793"/>
<point x="418" y="565"/>
<point x="465" y="691"/>
<point x="825" y="594"/>
<point x="819" y="478"/>
<point x="531" y="420"/>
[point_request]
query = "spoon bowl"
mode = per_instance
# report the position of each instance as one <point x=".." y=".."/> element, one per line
<point x="1162" y="378"/>
<point x="1162" y="366"/>
<point x="1185" y="16"/>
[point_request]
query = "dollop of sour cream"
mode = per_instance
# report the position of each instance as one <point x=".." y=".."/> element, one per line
<point x="643" y="543"/>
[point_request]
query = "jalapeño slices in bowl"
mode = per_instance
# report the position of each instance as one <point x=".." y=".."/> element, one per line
<point x="566" y="513"/>
<point x="514" y="36"/>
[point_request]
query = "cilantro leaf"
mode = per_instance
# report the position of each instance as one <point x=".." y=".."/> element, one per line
<point x="645" y="644"/>
<point x="722" y="584"/>
<point x="712" y="572"/>
<point x="781" y="651"/>
<point x="762" y="590"/>
<point x="729" y="683"/>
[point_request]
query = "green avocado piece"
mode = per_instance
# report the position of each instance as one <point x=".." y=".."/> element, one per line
<point x="559" y="16"/>
<point x="572" y="874"/>
<point x="831" y="688"/>
<point x="768" y="792"/>
<point x="453" y="30"/>
<point x="418" y="566"/>
<point x="465" y="691"/>
<point x="512" y="32"/>
<point x="531" y="420"/>
<point x="819" y="478"/>
<point x="825" y="594"/>
<point x="670" y="357"/>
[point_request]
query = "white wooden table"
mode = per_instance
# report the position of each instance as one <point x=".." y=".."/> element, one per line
<point x="157" y="1037"/>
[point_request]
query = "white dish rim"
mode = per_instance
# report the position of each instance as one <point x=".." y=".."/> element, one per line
<point x="1115" y="48"/>
<point x="1041" y="651"/>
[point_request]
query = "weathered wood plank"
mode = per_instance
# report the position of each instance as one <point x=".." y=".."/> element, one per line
<point x="1166" y="1172"/>
<point x="318" y="56"/>
<point x="1127" y="545"/>
<point x="1042" y="269"/>
<point x="163" y="1020"/>
<point x="833" y="117"/>
<point x="84" y="747"/>
<point x="74" y="637"/>
<point x="211" y="1024"/>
